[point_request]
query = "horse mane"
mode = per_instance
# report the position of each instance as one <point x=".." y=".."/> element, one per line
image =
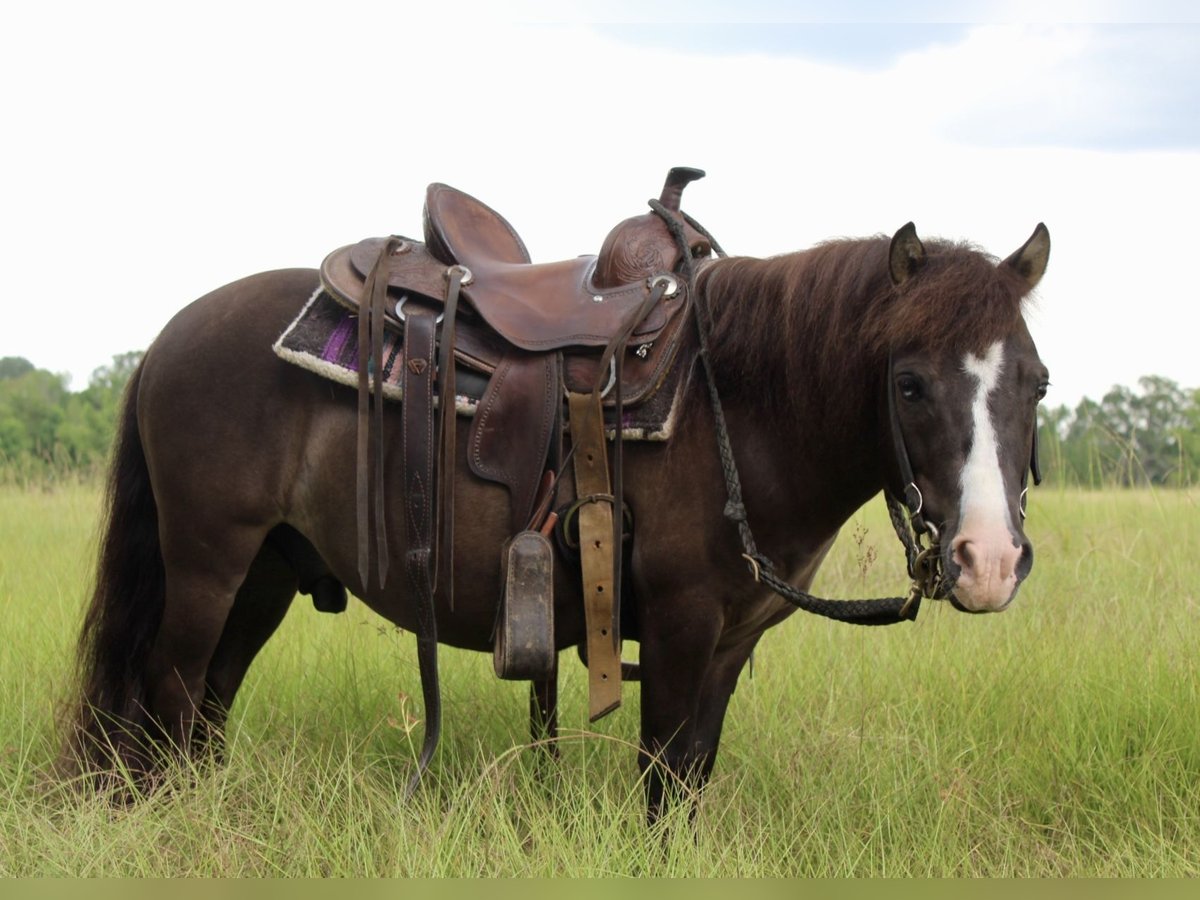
<point x="810" y="317"/>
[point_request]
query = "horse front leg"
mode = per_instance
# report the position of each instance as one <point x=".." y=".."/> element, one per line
<point x="674" y="666"/>
<point x="543" y="712"/>
<point x="719" y="685"/>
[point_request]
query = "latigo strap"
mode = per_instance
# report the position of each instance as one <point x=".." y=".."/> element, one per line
<point x="596" y="552"/>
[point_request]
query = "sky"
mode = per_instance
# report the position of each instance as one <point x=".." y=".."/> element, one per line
<point x="154" y="152"/>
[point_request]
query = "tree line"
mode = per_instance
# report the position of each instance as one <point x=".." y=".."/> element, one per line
<point x="1131" y="437"/>
<point x="48" y="431"/>
<point x="1148" y="435"/>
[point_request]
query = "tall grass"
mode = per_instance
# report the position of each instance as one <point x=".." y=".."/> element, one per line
<point x="1060" y="738"/>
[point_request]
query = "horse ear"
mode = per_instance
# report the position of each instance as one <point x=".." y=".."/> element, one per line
<point x="1030" y="261"/>
<point x="906" y="255"/>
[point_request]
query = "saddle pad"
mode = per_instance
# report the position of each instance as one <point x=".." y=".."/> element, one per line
<point x="323" y="339"/>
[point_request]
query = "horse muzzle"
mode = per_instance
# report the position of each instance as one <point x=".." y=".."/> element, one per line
<point x="984" y="568"/>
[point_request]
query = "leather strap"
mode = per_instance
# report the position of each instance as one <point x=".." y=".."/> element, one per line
<point x="1035" y="461"/>
<point x="370" y="381"/>
<point x="596" y="551"/>
<point x="909" y="492"/>
<point x="417" y="449"/>
<point x="447" y="433"/>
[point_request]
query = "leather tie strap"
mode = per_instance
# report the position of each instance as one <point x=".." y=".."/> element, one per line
<point x="417" y="449"/>
<point x="909" y="493"/>
<point x="447" y="433"/>
<point x="370" y="381"/>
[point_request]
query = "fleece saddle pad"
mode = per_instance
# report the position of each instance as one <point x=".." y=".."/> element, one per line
<point x="323" y="339"/>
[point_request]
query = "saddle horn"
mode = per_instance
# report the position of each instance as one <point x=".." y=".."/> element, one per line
<point x="642" y="246"/>
<point x="677" y="179"/>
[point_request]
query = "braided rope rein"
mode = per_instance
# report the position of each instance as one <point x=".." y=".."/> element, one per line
<point x="877" y="611"/>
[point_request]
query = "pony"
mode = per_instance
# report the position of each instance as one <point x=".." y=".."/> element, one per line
<point x="849" y="368"/>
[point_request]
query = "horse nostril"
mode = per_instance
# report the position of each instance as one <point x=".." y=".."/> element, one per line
<point x="1025" y="561"/>
<point x="962" y="553"/>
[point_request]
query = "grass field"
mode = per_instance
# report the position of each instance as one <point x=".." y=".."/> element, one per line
<point x="1059" y="738"/>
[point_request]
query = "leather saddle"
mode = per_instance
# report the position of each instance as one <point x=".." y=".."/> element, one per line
<point x="601" y="330"/>
<point x="528" y="326"/>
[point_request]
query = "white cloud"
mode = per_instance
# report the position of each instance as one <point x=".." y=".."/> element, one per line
<point x="1108" y="87"/>
<point x="159" y="157"/>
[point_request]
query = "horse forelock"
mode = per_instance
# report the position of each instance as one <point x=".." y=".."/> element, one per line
<point x="961" y="301"/>
<point x="826" y="311"/>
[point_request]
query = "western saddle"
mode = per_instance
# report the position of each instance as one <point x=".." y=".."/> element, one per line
<point x="605" y="329"/>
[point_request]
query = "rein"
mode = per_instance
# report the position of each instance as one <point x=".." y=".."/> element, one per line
<point x="924" y="563"/>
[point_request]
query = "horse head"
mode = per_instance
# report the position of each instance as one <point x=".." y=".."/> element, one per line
<point x="962" y="398"/>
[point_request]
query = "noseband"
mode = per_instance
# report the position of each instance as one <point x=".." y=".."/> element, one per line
<point x="925" y="564"/>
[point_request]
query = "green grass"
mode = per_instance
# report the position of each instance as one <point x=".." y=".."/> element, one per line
<point x="1060" y="738"/>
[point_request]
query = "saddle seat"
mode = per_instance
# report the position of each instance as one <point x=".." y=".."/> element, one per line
<point x="460" y="229"/>
<point x="535" y="306"/>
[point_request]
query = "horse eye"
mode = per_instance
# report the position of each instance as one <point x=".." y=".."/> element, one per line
<point x="909" y="387"/>
<point x="1041" y="390"/>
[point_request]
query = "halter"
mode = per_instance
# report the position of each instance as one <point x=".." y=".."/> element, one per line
<point x="925" y="564"/>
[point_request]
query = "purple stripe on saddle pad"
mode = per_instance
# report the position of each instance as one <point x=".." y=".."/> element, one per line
<point x="324" y="340"/>
<point x="341" y="333"/>
<point x="342" y="348"/>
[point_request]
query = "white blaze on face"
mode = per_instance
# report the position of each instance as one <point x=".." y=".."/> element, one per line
<point x="984" y="546"/>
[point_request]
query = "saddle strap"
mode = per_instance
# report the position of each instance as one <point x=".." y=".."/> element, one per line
<point x="370" y="428"/>
<point x="615" y="352"/>
<point x="596" y="552"/>
<point x="417" y="450"/>
<point x="447" y="433"/>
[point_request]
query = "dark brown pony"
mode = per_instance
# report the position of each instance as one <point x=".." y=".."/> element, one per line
<point x="233" y="473"/>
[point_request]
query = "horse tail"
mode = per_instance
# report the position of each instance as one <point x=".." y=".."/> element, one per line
<point x="107" y="729"/>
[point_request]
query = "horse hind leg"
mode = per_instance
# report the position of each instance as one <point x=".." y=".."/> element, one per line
<point x="205" y="569"/>
<point x="258" y="609"/>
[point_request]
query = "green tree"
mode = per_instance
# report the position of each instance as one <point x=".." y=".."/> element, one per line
<point x="33" y="401"/>
<point x="14" y="367"/>
<point x="113" y="378"/>
<point x="91" y="416"/>
<point x="45" y="428"/>
<point x="1133" y="437"/>
<point x="1053" y="423"/>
